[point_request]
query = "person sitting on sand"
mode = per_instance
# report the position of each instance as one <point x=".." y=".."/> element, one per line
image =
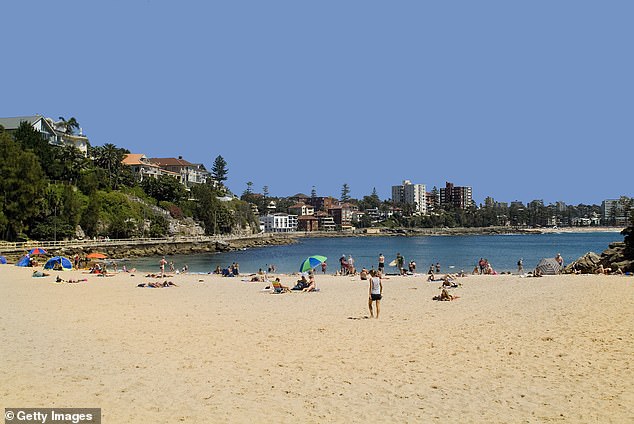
<point x="431" y="277"/>
<point x="445" y="296"/>
<point x="280" y="288"/>
<point x="311" y="284"/>
<point x="363" y="274"/>
<point x="302" y="283"/>
<point x="448" y="281"/>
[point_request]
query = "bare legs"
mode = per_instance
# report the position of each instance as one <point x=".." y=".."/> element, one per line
<point x="378" y="307"/>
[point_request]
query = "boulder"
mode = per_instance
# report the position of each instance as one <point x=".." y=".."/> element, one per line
<point x="587" y="264"/>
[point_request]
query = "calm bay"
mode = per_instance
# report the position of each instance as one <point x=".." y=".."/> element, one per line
<point x="454" y="253"/>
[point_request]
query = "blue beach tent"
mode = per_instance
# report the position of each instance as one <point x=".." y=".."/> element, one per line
<point x="3" y="260"/>
<point x="64" y="262"/>
<point x="24" y="261"/>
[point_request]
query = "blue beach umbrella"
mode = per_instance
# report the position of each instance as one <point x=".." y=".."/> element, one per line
<point x="38" y="251"/>
<point x="311" y="262"/>
<point x="3" y="260"/>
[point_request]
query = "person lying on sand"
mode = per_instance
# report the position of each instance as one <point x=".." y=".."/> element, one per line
<point x="38" y="274"/>
<point x="445" y="296"/>
<point x="448" y="281"/>
<point x="158" y="285"/>
<point x="61" y="280"/>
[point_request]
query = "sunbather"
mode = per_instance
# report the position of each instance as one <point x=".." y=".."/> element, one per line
<point x="311" y="285"/>
<point x="444" y="295"/>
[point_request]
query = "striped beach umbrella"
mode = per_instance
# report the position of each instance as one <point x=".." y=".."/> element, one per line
<point x="38" y="251"/>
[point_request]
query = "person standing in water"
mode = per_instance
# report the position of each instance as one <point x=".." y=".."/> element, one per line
<point x="375" y="292"/>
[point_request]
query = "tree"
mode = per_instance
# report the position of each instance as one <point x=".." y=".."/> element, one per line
<point x="219" y="170"/>
<point x="110" y="157"/>
<point x="313" y="193"/>
<point x="345" y="193"/>
<point x="69" y="126"/>
<point x="249" y="189"/>
<point x="23" y="182"/>
<point x="265" y="191"/>
<point x="68" y="163"/>
<point x="164" y="189"/>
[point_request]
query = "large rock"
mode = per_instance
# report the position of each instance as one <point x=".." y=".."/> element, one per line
<point x="587" y="264"/>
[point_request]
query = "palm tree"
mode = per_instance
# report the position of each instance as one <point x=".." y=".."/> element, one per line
<point x="109" y="157"/>
<point x="69" y="126"/>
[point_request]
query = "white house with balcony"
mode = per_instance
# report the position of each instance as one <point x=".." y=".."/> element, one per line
<point x="52" y="131"/>
<point x="279" y="223"/>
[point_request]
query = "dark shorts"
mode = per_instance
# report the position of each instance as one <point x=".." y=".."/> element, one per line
<point x="381" y="265"/>
<point x="375" y="296"/>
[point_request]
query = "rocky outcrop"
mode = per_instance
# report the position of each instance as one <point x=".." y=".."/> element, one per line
<point x="175" y="247"/>
<point x="587" y="264"/>
<point x="619" y="255"/>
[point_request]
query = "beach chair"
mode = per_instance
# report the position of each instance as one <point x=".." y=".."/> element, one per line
<point x="279" y="288"/>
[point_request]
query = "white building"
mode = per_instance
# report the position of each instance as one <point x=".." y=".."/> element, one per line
<point x="615" y="212"/>
<point x="279" y="223"/>
<point x="52" y="131"/>
<point x="411" y="194"/>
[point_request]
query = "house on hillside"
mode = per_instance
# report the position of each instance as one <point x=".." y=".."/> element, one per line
<point x="301" y="209"/>
<point x="190" y="173"/>
<point x="141" y="166"/>
<point x="52" y="131"/>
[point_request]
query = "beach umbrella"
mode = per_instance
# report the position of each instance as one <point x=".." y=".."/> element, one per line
<point x="3" y="260"/>
<point x="61" y="260"/>
<point x="548" y="266"/>
<point x="96" y="255"/>
<point x="38" y="251"/>
<point x="311" y="262"/>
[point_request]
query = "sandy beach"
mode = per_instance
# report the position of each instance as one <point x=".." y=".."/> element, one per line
<point x="509" y="350"/>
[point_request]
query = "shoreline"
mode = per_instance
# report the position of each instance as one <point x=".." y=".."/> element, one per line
<point x="175" y="246"/>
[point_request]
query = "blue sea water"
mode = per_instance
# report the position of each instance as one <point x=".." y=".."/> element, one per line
<point x="454" y="253"/>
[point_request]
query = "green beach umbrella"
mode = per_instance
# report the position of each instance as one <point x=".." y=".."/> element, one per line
<point x="311" y="262"/>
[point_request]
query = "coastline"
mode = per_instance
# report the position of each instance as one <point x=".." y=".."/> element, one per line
<point x="170" y="246"/>
<point x="510" y="349"/>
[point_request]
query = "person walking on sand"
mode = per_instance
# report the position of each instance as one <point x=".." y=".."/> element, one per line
<point x="381" y="262"/>
<point x="375" y="292"/>
<point x="399" y="263"/>
<point x="162" y="264"/>
<point x="520" y="266"/>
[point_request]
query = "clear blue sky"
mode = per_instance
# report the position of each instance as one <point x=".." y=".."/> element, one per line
<point x="520" y="100"/>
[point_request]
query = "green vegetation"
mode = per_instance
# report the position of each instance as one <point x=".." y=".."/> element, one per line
<point x="54" y="193"/>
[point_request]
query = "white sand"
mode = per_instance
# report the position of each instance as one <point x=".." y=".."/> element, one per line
<point x="551" y="349"/>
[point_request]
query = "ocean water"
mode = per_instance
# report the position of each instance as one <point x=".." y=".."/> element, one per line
<point x="454" y="253"/>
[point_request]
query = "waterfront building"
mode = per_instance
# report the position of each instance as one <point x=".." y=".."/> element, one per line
<point x="307" y="223"/>
<point x="616" y="211"/>
<point x="456" y="196"/>
<point x="279" y="223"/>
<point x="325" y="221"/>
<point x="52" y="131"/>
<point x="411" y="194"/>
<point x="342" y="215"/>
